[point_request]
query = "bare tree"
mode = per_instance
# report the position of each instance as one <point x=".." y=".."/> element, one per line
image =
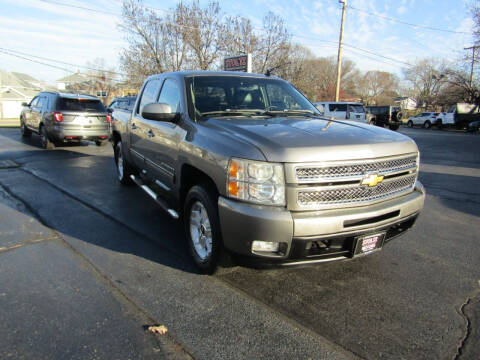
<point x="377" y="87"/>
<point x="201" y="28"/>
<point x="426" y="77"/>
<point x="459" y="89"/>
<point x="239" y="37"/>
<point x="274" y="44"/>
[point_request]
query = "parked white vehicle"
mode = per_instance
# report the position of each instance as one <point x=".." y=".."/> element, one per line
<point x="342" y="110"/>
<point x="449" y="117"/>
<point x="425" y="119"/>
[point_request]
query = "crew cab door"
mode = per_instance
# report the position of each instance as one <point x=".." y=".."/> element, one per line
<point x="164" y="138"/>
<point x="138" y="127"/>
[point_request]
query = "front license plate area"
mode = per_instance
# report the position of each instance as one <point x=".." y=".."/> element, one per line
<point x="368" y="244"/>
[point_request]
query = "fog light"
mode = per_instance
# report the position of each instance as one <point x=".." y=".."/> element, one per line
<point x="265" y="246"/>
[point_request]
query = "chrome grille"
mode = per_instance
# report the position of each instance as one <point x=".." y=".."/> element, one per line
<point x="324" y="172"/>
<point x="355" y="194"/>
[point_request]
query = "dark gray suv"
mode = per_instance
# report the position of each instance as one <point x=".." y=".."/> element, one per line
<point x="62" y="117"/>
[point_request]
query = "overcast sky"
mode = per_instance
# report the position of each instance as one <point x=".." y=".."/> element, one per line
<point x="46" y="29"/>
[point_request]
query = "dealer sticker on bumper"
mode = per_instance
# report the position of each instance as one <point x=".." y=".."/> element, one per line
<point x="369" y="243"/>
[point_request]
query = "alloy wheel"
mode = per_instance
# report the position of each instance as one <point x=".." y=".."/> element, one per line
<point x="200" y="230"/>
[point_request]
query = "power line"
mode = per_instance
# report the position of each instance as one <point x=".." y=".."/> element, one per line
<point x="60" y="62"/>
<point x="79" y="7"/>
<point x="2" y="51"/>
<point x="259" y="29"/>
<point x="406" y="22"/>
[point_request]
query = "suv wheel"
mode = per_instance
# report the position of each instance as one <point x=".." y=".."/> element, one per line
<point x="26" y="132"/>
<point x="202" y="227"/>
<point x="124" y="170"/>
<point x="46" y="143"/>
<point x="410" y="123"/>
<point x="427" y="124"/>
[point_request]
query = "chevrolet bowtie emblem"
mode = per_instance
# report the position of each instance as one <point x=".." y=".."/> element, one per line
<point x="372" y="180"/>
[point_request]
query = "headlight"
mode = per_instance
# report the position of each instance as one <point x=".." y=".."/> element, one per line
<point x="256" y="181"/>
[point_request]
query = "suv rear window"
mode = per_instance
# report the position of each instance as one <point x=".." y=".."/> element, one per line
<point x="82" y="105"/>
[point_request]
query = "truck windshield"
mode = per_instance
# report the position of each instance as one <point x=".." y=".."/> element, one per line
<point x="230" y="95"/>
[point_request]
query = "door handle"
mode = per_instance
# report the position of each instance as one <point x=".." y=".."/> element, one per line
<point x="150" y="134"/>
<point x="133" y="126"/>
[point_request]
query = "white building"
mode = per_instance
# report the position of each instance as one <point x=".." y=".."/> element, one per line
<point x="406" y="103"/>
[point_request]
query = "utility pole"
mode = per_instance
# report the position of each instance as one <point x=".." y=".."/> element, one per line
<point x="339" y="59"/>
<point x="473" y="48"/>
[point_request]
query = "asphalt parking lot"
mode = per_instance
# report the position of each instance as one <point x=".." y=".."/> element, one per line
<point x="86" y="265"/>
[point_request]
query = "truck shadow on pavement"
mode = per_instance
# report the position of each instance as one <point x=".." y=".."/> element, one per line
<point x="457" y="192"/>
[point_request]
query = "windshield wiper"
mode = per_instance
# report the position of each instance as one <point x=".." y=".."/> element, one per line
<point x="248" y="112"/>
<point x="287" y="112"/>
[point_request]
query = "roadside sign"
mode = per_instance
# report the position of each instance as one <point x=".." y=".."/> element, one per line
<point x="238" y="63"/>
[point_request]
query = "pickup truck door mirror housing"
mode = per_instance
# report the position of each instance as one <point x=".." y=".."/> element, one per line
<point x="158" y="112"/>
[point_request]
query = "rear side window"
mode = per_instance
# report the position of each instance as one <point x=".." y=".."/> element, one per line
<point x="337" y="107"/>
<point x="81" y="105"/>
<point x="356" y="108"/>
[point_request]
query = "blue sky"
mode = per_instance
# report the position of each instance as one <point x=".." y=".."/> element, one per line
<point x="44" y="29"/>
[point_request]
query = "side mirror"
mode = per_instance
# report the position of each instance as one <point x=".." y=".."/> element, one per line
<point x="158" y="112"/>
<point x="25" y="104"/>
<point x="109" y="110"/>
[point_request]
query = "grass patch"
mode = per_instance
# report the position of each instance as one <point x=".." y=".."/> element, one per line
<point x="10" y="122"/>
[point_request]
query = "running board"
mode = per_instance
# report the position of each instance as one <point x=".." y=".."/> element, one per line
<point x="163" y="204"/>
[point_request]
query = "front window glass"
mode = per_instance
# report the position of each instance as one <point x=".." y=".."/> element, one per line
<point x="337" y="107"/>
<point x="150" y="93"/>
<point x="223" y="95"/>
<point x="170" y="95"/>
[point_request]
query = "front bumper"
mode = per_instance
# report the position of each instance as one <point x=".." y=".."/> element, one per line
<point x="314" y="236"/>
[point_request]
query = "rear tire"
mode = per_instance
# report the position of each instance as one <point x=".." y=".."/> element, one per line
<point x="26" y="132"/>
<point x="202" y="227"/>
<point x="124" y="169"/>
<point x="46" y="143"/>
<point x="410" y="123"/>
<point x="427" y="124"/>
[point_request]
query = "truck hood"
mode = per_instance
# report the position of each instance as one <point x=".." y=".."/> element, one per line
<point x="298" y="139"/>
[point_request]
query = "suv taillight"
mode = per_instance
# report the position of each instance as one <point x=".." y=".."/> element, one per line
<point x="58" y="116"/>
<point x="109" y="118"/>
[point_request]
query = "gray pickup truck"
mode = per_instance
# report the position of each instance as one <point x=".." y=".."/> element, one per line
<point x="252" y="168"/>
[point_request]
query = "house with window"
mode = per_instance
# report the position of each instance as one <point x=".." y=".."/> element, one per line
<point x="15" y="89"/>
<point x="406" y="103"/>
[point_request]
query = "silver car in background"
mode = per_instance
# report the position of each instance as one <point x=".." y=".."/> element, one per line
<point x="63" y="117"/>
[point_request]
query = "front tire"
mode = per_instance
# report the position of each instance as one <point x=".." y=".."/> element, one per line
<point x="202" y="227"/>
<point x="45" y="141"/>
<point x="124" y="169"/>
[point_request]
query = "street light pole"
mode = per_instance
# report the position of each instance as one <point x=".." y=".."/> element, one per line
<point x="339" y="59"/>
